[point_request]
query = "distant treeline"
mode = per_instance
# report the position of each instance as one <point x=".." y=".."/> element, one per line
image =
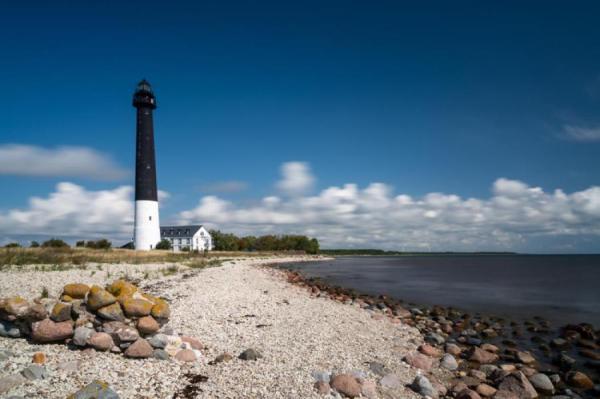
<point x="58" y="243"/>
<point x="390" y="253"/>
<point x="231" y="242"/>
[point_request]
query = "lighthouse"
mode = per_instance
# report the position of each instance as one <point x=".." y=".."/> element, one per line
<point x="146" y="231"/>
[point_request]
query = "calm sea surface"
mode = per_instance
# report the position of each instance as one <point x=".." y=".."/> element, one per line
<point x="561" y="288"/>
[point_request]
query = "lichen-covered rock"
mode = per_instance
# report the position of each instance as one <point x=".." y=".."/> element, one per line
<point x="121" y="287"/>
<point x="161" y="310"/>
<point x="346" y="385"/>
<point x="61" y="312"/>
<point x="50" y="331"/>
<point x="13" y="308"/>
<point x="148" y="325"/>
<point x="76" y="291"/>
<point x="137" y="307"/>
<point x="140" y="349"/>
<point x="99" y="297"/>
<point x="96" y="390"/>
<point x="111" y="312"/>
<point x="101" y="341"/>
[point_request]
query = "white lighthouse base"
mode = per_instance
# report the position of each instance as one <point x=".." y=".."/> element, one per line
<point x="146" y="232"/>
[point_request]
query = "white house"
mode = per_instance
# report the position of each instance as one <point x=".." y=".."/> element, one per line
<point x="196" y="238"/>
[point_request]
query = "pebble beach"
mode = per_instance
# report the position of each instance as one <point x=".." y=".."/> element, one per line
<point x="301" y="341"/>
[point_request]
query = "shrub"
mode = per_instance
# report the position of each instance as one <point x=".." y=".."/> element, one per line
<point x="80" y="244"/>
<point x="34" y="244"/>
<point x="100" y="244"/>
<point x="55" y="243"/>
<point x="164" y="244"/>
<point x="13" y="245"/>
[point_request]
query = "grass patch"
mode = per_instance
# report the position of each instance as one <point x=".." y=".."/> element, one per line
<point x="81" y="257"/>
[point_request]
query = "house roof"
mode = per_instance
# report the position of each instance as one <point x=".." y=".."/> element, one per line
<point x="179" y="231"/>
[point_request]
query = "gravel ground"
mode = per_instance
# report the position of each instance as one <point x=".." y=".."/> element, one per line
<point x="229" y="308"/>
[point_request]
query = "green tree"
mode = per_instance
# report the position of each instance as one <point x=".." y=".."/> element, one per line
<point x="164" y="244"/>
<point x="80" y="244"/>
<point x="34" y="244"/>
<point x="13" y="245"/>
<point x="55" y="243"/>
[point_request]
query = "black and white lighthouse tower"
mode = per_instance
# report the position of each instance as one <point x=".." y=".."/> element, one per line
<point x="146" y="232"/>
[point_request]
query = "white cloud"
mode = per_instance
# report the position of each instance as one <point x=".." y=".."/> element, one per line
<point x="28" y="160"/>
<point x="296" y="178"/>
<point x="585" y="134"/>
<point x="515" y="216"/>
<point x="231" y="186"/>
<point x="74" y="211"/>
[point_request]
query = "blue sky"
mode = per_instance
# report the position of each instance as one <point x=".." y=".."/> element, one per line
<point x="434" y="98"/>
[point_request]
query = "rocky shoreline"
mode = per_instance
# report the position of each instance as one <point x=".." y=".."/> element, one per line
<point x="488" y="356"/>
<point x="260" y="337"/>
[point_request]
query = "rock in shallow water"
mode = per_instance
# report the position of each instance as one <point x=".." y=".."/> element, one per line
<point x="518" y="384"/>
<point x="449" y="362"/>
<point x="542" y="383"/>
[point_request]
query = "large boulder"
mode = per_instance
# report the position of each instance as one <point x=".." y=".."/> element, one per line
<point x="161" y="310"/>
<point x="518" y="384"/>
<point x="76" y="291"/>
<point x="346" y="385"/>
<point x="81" y="335"/>
<point x="579" y="380"/>
<point x="50" y="331"/>
<point x="111" y="312"/>
<point x="99" y="297"/>
<point x="121" y="332"/>
<point x="135" y="307"/>
<point x="140" y="349"/>
<point x="101" y="341"/>
<point x="13" y="308"/>
<point x="61" y="312"/>
<point x="542" y="383"/>
<point x="147" y="325"/>
<point x="121" y="288"/>
<point x="482" y="356"/>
